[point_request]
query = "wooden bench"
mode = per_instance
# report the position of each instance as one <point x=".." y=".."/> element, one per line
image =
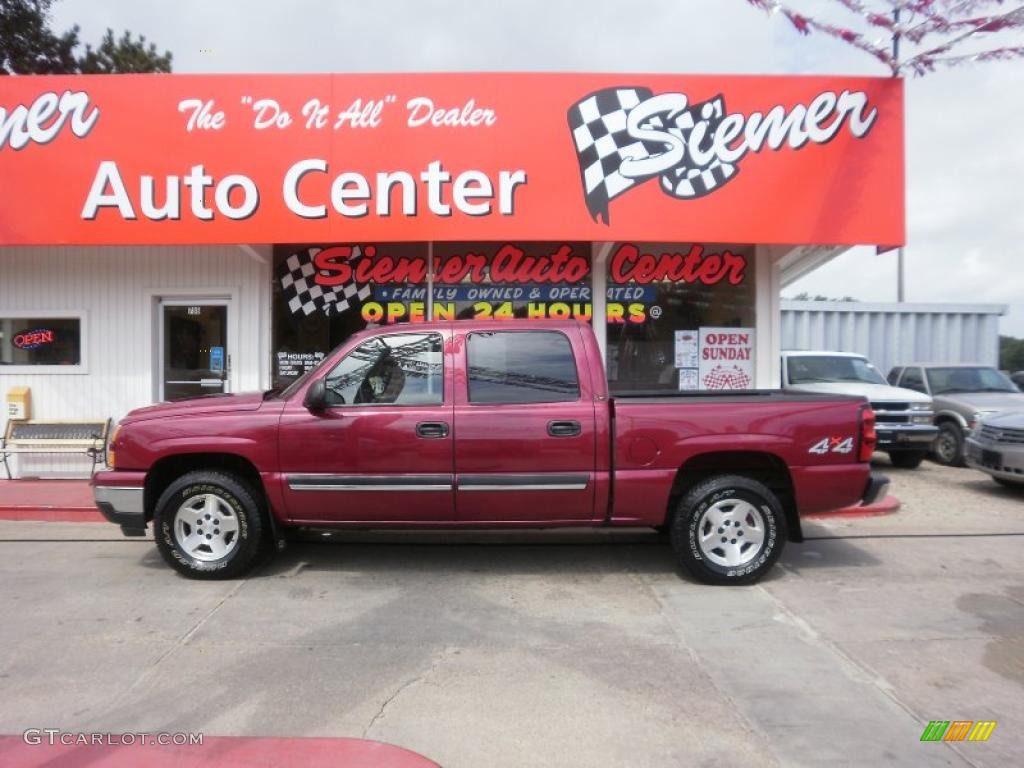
<point x="57" y="437"/>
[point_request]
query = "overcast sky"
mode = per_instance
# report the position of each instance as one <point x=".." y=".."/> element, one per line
<point x="965" y="154"/>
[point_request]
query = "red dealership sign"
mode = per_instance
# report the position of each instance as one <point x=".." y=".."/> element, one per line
<point x="306" y="158"/>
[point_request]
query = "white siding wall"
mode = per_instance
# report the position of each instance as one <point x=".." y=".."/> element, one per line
<point x="896" y="334"/>
<point x="116" y="289"/>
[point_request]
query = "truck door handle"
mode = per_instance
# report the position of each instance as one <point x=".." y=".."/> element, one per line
<point x="564" y="428"/>
<point x="431" y="430"/>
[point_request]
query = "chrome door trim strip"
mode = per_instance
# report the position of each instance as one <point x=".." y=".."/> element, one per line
<point x="328" y="482"/>
<point x="507" y="482"/>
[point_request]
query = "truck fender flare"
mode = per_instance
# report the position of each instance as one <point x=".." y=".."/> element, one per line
<point x="948" y="415"/>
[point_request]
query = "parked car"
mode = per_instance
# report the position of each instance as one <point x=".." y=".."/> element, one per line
<point x="962" y="395"/>
<point x="903" y="417"/>
<point x="996" y="446"/>
<point x="485" y="424"/>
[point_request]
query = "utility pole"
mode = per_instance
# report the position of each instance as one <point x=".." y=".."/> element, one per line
<point x="900" y="276"/>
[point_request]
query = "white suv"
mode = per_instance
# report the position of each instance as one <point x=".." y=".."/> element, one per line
<point x="903" y="417"/>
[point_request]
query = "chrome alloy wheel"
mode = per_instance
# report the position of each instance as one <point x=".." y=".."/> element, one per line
<point x="206" y="527"/>
<point x="731" y="532"/>
<point x="945" y="447"/>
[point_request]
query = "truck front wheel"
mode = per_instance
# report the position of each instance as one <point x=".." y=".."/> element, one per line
<point x="949" y="445"/>
<point x="729" y="530"/>
<point x="208" y="525"/>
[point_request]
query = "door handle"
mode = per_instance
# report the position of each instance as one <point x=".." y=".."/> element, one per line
<point x="564" y="428"/>
<point x="431" y="430"/>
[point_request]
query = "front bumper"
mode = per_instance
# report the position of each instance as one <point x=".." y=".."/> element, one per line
<point x="905" y="437"/>
<point x="123" y="506"/>
<point x="1003" y="460"/>
<point x="877" y="487"/>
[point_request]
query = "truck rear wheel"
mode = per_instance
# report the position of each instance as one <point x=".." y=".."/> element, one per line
<point x="729" y="530"/>
<point x="208" y="525"/>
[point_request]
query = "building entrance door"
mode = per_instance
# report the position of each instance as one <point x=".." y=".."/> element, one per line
<point x="194" y="355"/>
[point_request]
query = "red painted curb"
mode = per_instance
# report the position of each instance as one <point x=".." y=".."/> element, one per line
<point x="886" y="506"/>
<point x="221" y="751"/>
<point x="53" y="514"/>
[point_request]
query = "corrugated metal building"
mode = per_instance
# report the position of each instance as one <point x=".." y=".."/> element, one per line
<point x="117" y="295"/>
<point x="894" y="334"/>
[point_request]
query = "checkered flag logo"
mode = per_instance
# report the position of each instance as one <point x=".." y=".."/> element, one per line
<point x="722" y="377"/>
<point x="297" y="275"/>
<point x="603" y="143"/>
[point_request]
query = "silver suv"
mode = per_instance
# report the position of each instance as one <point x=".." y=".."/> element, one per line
<point x="996" y="446"/>
<point x="903" y="419"/>
<point x="962" y="394"/>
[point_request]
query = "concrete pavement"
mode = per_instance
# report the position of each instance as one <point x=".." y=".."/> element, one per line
<point x="557" y="649"/>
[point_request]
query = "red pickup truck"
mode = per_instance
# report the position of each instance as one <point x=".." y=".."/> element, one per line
<point x="484" y="424"/>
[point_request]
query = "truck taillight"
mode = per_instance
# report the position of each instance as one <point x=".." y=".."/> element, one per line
<point x="868" y="438"/>
<point x="111" y="451"/>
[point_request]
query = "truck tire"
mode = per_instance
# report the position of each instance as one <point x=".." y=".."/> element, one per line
<point x="949" y="445"/>
<point x="907" y="459"/>
<point x="208" y="525"/>
<point x="729" y="530"/>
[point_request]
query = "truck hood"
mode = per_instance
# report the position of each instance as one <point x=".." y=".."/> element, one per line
<point x="1006" y="420"/>
<point x="198" y="406"/>
<point x="874" y="392"/>
<point x="983" y="401"/>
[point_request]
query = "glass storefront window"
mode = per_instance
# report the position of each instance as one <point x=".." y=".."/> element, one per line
<point x="680" y="317"/>
<point x="322" y="294"/>
<point x="40" y="341"/>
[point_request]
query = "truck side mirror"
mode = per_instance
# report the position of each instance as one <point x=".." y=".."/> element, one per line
<point x="316" y="396"/>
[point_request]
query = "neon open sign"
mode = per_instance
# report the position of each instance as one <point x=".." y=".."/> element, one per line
<point x="33" y="339"/>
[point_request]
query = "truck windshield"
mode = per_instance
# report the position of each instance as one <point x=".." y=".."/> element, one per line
<point x="812" y="369"/>
<point x="961" y="379"/>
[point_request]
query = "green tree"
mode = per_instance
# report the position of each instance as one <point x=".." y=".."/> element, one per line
<point x="1011" y="353"/>
<point x="28" y="46"/>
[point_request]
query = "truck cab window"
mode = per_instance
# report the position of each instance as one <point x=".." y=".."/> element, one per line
<point x="521" y="367"/>
<point x="403" y="369"/>
<point x="912" y="379"/>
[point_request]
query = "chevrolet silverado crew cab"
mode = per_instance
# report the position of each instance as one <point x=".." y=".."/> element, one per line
<point x="484" y="424"/>
<point x="903" y="417"/>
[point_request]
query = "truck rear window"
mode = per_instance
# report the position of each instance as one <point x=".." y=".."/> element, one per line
<point x="521" y="367"/>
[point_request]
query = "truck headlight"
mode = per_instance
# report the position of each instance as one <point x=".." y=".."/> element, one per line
<point x="920" y="406"/>
<point x="921" y="419"/>
<point x="975" y="421"/>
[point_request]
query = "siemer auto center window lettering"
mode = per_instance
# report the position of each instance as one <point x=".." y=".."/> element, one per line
<point x="679" y="316"/>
